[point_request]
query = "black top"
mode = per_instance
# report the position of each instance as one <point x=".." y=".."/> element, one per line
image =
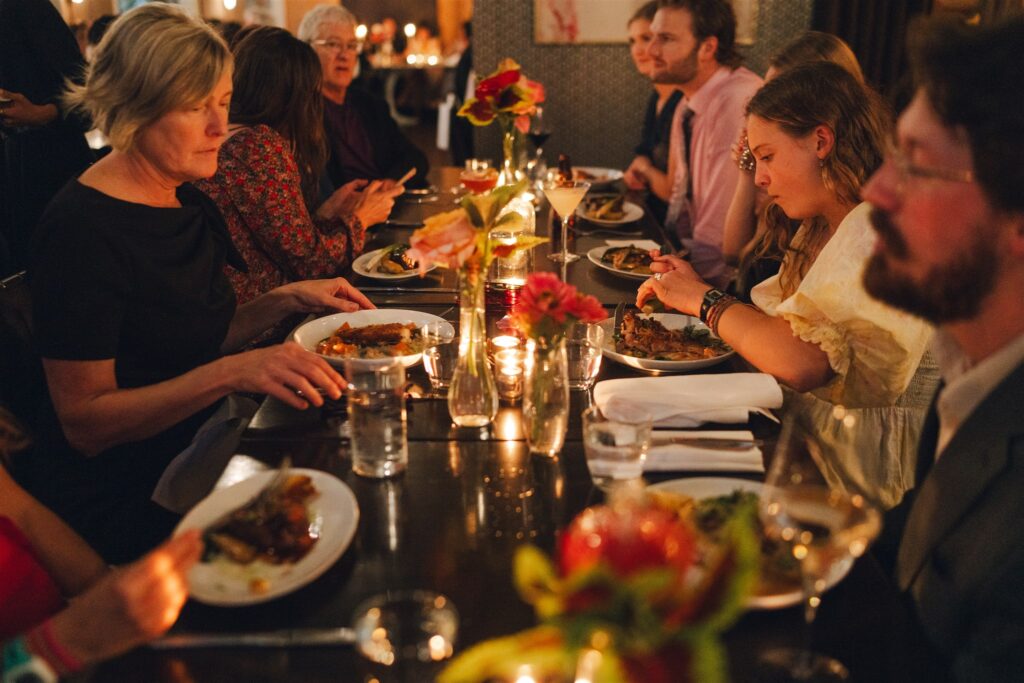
<point x="392" y="153"/>
<point x="654" y="142"/>
<point x="144" y="286"/>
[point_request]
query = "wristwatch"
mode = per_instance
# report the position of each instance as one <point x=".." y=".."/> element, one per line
<point x="21" y="666"/>
<point x="711" y="297"/>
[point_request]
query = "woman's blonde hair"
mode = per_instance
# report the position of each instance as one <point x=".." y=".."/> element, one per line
<point x="816" y="46"/>
<point x="154" y="59"/>
<point x="798" y="101"/>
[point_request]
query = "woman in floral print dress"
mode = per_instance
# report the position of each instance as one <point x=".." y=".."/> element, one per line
<point x="267" y="173"/>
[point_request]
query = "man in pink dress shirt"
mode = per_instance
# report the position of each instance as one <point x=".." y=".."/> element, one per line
<point x="694" y="49"/>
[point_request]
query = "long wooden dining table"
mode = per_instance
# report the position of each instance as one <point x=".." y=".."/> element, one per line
<point x="452" y="522"/>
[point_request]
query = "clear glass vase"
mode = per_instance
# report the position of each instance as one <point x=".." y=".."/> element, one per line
<point x="546" y="396"/>
<point x="511" y="146"/>
<point x="473" y="394"/>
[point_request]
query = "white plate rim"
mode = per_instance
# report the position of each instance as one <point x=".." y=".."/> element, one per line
<point x="633" y="213"/>
<point x="607" y="175"/>
<point x="711" y="487"/>
<point x="361" y="262"/>
<point x="336" y="501"/>
<point x="650" y="364"/>
<point x="329" y="323"/>
<point x="595" y="255"/>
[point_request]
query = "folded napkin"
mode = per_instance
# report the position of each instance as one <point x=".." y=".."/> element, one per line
<point x="190" y="476"/>
<point x="684" y="458"/>
<point x="692" y="400"/>
<point x="639" y="244"/>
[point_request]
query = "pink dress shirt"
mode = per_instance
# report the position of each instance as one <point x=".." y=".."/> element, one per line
<point x="718" y="109"/>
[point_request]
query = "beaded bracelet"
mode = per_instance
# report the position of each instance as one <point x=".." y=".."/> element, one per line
<point x="715" y="314"/>
<point x="43" y="641"/>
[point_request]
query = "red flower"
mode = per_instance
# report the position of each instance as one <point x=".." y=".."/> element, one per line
<point x="547" y="306"/>
<point x="494" y="84"/>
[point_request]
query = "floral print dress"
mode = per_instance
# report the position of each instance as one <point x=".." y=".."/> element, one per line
<point x="258" y="190"/>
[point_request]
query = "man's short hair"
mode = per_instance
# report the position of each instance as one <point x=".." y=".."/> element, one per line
<point x="973" y="77"/>
<point x="712" y="18"/>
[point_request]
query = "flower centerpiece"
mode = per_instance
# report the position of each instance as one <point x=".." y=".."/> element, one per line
<point x="546" y="310"/>
<point x="510" y="98"/>
<point x="629" y="601"/>
<point x="461" y="240"/>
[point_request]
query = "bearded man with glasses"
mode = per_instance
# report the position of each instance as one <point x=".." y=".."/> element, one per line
<point x="363" y="140"/>
<point x="949" y="213"/>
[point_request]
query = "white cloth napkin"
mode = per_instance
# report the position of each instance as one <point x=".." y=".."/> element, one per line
<point x="692" y="400"/>
<point x="683" y="458"/>
<point x="639" y="244"/>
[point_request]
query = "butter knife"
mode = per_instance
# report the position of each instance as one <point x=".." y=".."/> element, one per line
<point x="294" y="637"/>
<point x="620" y="311"/>
<point x="708" y="442"/>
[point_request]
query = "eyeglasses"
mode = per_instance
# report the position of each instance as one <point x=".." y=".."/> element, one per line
<point x="336" y="46"/>
<point x="908" y="169"/>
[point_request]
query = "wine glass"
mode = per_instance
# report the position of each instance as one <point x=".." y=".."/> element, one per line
<point x="564" y="196"/>
<point x="825" y="520"/>
<point x="538" y="133"/>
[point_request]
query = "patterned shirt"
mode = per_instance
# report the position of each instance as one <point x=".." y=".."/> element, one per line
<point x="258" y="189"/>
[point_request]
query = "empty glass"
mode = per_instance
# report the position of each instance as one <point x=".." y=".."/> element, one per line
<point x="440" y="354"/>
<point x="376" y="416"/>
<point x="616" y="444"/>
<point x="407" y="634"/>
<point x="583" y="347"/>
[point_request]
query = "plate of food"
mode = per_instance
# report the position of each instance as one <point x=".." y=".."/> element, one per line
<point x="389" y="263"/>
<point x="707" y="503"/>
<point x="609" y="210"/>
<point x="267" y="536"/>
<point x="628" y="261"/>
<point x="370" y="336"/>
<point x="663" y="342"/>
<point x="596" y="176"/>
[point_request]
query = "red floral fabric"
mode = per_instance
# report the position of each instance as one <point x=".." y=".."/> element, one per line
<point x="28" y="596"/>
<point x="258" y="189"/>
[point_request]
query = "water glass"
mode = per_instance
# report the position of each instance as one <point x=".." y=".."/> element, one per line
<point x="616" y="444"/>
<point x="406" y="634"/>
<point x="583" y="346"/>
<point x="376" y="416"/>
<point x="440" y="354"/>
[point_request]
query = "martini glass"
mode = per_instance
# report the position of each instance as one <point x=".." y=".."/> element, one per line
<point x="564" y="196"/>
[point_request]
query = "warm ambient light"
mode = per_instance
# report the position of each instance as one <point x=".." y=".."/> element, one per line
<point x="230" y="4"/>
<point x="361" y="31"/>
<point x="78" y="2"/>
<point x="410" y="30"/>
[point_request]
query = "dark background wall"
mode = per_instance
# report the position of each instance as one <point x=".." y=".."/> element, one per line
<point x="595" y="97"/>
<point x="402" y="10"/>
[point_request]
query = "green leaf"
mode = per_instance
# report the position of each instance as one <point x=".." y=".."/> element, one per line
<point x="474" y="213"/>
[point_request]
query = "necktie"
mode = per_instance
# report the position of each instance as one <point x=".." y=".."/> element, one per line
<point x="678" y="214"/>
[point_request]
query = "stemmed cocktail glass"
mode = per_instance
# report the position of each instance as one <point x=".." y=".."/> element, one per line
<point x="564" y="196"/>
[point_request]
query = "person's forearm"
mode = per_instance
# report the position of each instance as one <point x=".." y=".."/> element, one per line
<point x="768" y="343"/>
<point x="659" y="183"/>
<point x="740" y="220"/>
<point x="107" y="419"/>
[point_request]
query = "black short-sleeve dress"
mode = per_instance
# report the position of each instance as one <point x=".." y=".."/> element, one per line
<point x="144" y="286"/>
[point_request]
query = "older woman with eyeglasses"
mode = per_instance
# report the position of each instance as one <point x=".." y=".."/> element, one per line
<point x="135" y="318"/>
<point x="363" y="140"/>
<point x="817" y="133"/>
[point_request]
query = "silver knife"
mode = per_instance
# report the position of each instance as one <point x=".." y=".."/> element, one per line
<point x="708" y="442"/>
<point x="409" y="290"/>
<point x="294" y="637"/>
<point x="620" y="311"/>
<point x="403" y="224"/>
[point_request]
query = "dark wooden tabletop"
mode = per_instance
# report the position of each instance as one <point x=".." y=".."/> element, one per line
<point x="452" y="521"/>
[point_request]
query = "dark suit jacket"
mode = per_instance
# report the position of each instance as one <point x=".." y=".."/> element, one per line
<point x="393" y="153"/>
<point x="961" y="556"/>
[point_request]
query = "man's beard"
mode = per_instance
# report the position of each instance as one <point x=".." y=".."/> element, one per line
<point x="948" y="292"/>
<point x="679" y="74"/>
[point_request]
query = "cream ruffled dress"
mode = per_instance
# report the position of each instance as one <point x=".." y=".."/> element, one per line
<point x="873" y="409"/>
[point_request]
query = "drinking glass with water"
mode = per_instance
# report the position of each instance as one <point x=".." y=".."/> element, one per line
<point x="376" y="415"/>
<point x="583" y="348"/>
<point x="616" y="444"/>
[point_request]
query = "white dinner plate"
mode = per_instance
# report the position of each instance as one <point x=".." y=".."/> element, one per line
<point x="673" y="321"/>
<point x="631" y="211"/>
<point x="600" y="177"/>
<point x="366" y="266"/>
<point x="334" y="516"/>
<point x="315" y="331"/>
<point x="700" y="488"/>
<point x="595" y="255"/>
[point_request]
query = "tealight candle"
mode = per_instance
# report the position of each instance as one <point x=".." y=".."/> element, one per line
<point x="509" y="366"/>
